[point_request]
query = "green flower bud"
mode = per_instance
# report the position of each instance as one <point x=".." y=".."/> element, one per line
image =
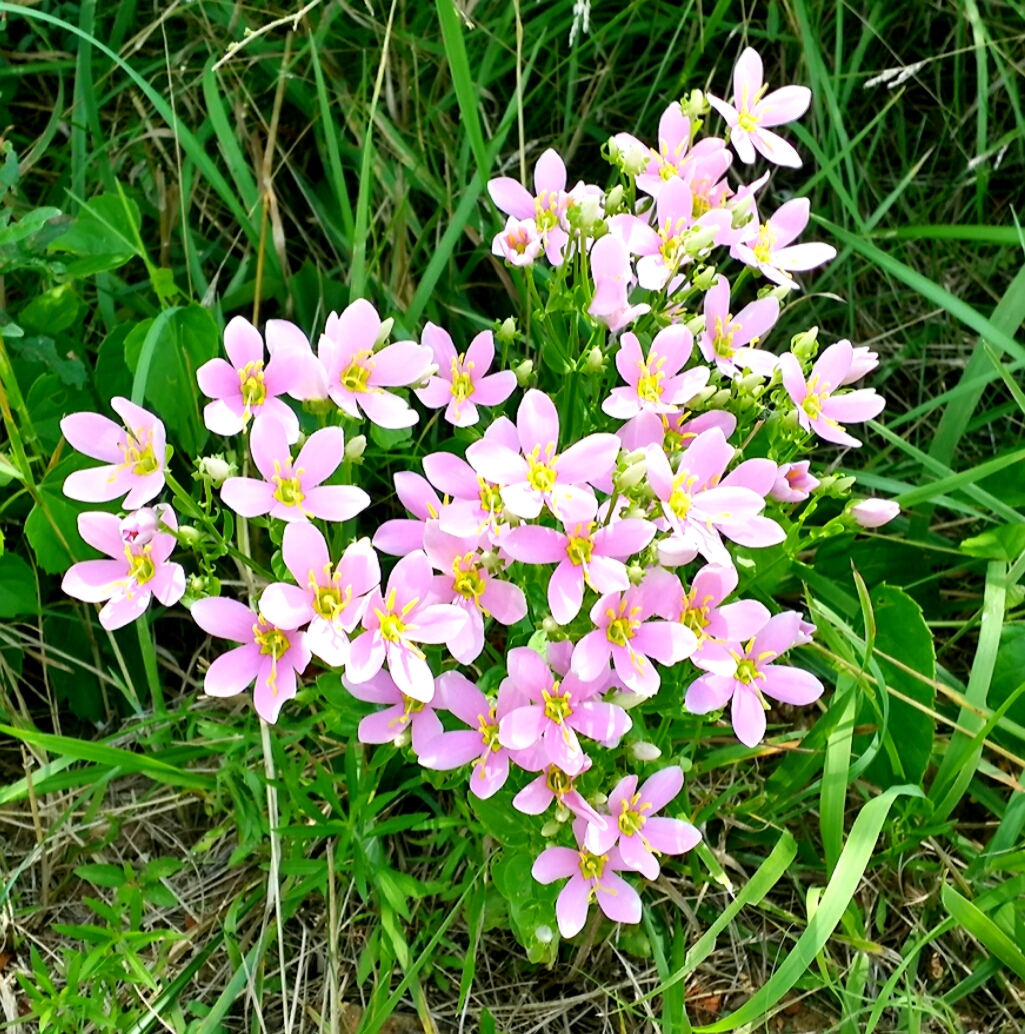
<point x="550" y="626"/>
<point x="355" y="447"/>
<point x="189" y="535"/>
<point x="524" y="372"/>
<point x="505" y="333"/>
<point x="635" y="161"/>
<point x="720" y="398"/>
<point x="704" y="278"/>
<point x="703" y="395"/>
<point x="699" y="239"/>
<point x="595" y="361"/>
<point x="696" y="324"/>
<point x="319" y="407"/>
<point x="215" y="469"/>
<point x="551" y="828"/>
<point x="643" y="751"/>
<point x="613" y="150"/>
<point x="635" y="573"/>
<point x="630" y="477"/>
<point x="382" y="334"/>
<point x="694" y="105"/>
<point x="790" y="421"/>
<point x="805" y="345"/>
<point x="614" y="199"/>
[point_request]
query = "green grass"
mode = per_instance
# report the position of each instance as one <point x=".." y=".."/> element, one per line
<point x="851" y="881"/>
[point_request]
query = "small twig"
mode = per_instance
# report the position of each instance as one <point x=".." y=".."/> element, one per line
<point x="251" y="34"/>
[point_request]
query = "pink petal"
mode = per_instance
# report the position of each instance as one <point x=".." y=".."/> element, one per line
<point x="336" y="502"/>
<point x="590" y="458"/>
<point x="522" y="728"/>
<point x="793" y="378"/>
<point x="218" y="379"/>
<point x="224" y="416"/>
<point x="366" y="655"/>
<point x="102" y="531"/>
<point x="438" y="393"/>
<point x="399" y="537"/>
<point x="537" y="424"/>
<point x="304" y="551"/>
<point x="481" y="354"/>
<point x="494" y="389"/>
<point x="533" y="544"/>
<point x="489" y="775"/>
<point x="224" y="618"/>
<point x="571" y="906"/>
<point x="607" y="575"/>
<point x="412" y="674"/>
<point x="624" y="538"/>
<point x="709" y="693"/>
<point x="747" y="716"/>
<point x="451" y="750"/>
<point x="94" y="580"/>
<point x="94" y="435"/>
<point x="528" y="671"/>
<point x="791" y="685"/>
<point x="383" y="726"/>
<point x="777" y="150"/>
<point x="658" y="790"/>
<point x="591" y="655"/>
<point x="671" y="836"/>
<point x="436" y="624"/>
<point x="496" y="463"/>
<point x="789" y="221"/>
<point x="387" y="410"/>
<point x="451" y="475"/>
<point x="748" y="77"/>
<point x="287" y="606"/>
<point x="549" y="173"/>
<point x="230" y="673"/>
<point x="243" y="343"/>
<point x="778" y="635"/>
<point x="456" y="693"/>
<point x="786" y="104"/>
<point x="440" y="343"/>
<point x="319" y="457"/>
<point x="853" y="407"/>
<point x="399" y="364"/>
<point x="511" y="197"/>
<point x="743" y="620"/>
<point x="380" y="688"/>
<point x="504" y="602"/>
<point x="555" y="863"/>
<point x="617" y="899"/>
<point x="565" y="591"/>
<point x="248" y="496"/>
<point x="599" y="721"/>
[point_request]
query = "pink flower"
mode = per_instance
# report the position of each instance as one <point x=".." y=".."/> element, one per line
<point x="818" y="409"/>
<point x="466" y="583"/>
<point x="585" y="555"/>
<point x="625" y="635"/>
<point x="546" y="207"/>
<point x="273" y="656"/>
<point x="392" y="722"/>
<point x="699" y="508"/>
<point x="755" y="675"/>
<point x="479" y="744"/>
<point x="330" y="598"/>
<point x="768" y="247"/>
<point x="396" y="622"/>
<point x="637" y="829"/>
<point x="403" y="534"/>
<point x="794" y="483"/>
<point x="135" y="457"/>
<point x="874" y="513"/>
<point x="655" y="382"/>
<point x="462" y="382"/>
<point x="559" y="709"/>
<point x="293" y="491"/>
<point x="752" y="112"/>
<point x="519" y="243"/>
<point x="864" y="361"/>
<point x="243" y="389"/>
<point x="613" y="277"/>
<point x="543" y="476"/>
<point x="591" y="877"/>
<point x="357" y="375"/>
<point x="673" y="431"/>
<point x="554" y="785"/>
<point x="138" y="570"/>
<point x="725" y="335"/>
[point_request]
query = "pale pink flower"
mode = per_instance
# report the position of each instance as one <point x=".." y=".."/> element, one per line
<point x="271" y="655"/>
<point x="465" y="582"/>
<point x="613" y="278"/>
<point x="357" y="374"/>
<point x="725" y="336"/>
<point x="545" y="207"/>
<point x="794" y="482"/>
<point x="755" y="675"/>
<point x="476" y="504"/>
<point x="874" y="513"/>
<point x="463" y="382"/>
<point x="135" y="457"/>
<point x="863" y="362"/>
<point x="542" y="476"/>
<point x="818" y="408"/>
<point x="139" y="568"/>
<point x="592" y="877"/>
<point x="768" y="246"/>
<point x="699" y="508"/>
<point x="585" y="555"/>
<point x="558" y="710"/>
<point x="404" y="712"/>
<point x="635" y="827"/>
<point x="553" y="785"/>
<point x="245" y="389"/>
<point x="626" y="635"/>
<point x="479" y="743"/>
<point x="331" y="598"/>
<point x="672" y="431"/>
<point x="519" y="242"/>
<point x="655" y="383"/>
<point x="396" y="622"/>
<point x="293" y="491"/>
<point x="402" y="535"/>
<point x="753" y="112"/>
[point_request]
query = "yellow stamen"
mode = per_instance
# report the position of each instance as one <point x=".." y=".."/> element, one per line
<point x="357" y="373"/>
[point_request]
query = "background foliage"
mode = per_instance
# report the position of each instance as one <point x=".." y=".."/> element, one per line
<point x="156" y="874"/>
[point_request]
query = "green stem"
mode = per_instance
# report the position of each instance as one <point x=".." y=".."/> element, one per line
<point x="149" y="662"/>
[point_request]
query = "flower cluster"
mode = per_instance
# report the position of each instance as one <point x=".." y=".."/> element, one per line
<point x="628" y="514"/>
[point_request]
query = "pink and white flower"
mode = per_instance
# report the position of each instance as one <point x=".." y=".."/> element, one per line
<point x="519" y="242"/>
<point x="545" y="207"/>
<point x="794" y="482"/>
<point x="863" y="362"/>
<point x="271" y="655"/>
<point x="874" y="513"/>
<point x="463" y="382"/>
<point x="331" y="598"/>
<point x="613" y="278"/>
<point x="725" y="336"/>
<point x="592" y="877"/>
<point x="558" y="710"/>
<point x="753" y="112"/>
<point x="818" y="408"/>
<point x="757" y="676"/>
<point x="404" y="712"/>
<point x="135" y="455"/>
<point x="245" y="389"/>
<point x="479" y="743"/>
<point x="768" y="246"/>
<point x="465" y="582"/>
<point x="397" y="622"/>
<point x="402" y="535"/>
<point x="635" y="827"/>
<point x="542" y="476"/>
<point x="553" y="785"/>
<point x="138" y="569"/>
<point x="293" y="491"/>
<point x="585" y="555"/>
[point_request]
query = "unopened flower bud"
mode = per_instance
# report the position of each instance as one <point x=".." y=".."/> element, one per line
<point x="613" y="149"/>
<point x="641" y="750"/>
<point x="189" y="535"/>
<point x="635" y="573"/>
<point x="696" y="324"/>
<point x="562" y="813"/>
<point x="138" y="528"/>
<point x="403" y="738"/>
<point x="597" y="799"/>
<point x="827" y="481"/>
<point x="631" y="477"/>
<point x="382" y="334"/>
<point x="550" y="626"/>
<point x="505" y="333"/>
<point x="491" y="561"/>
<point x="215" y="469"/>
<point x="805" y="345"/>
<point x="699" y="239"/>
<point x="844" y="484"/>
<point x="586" y="213"/>
<point x="694" y="105"/>
<point x="543" y="934"/>
<point x="431" y="371"/>
<point x="741" y="213"/>
<point x="874" y="513"/>
<point x="595" y="361"/>
<point x="750" y="382"/>
<point x="703" y="396"/>
<point x="319" y="407"/>
<point x="781" y="294"/>
<point x="614" y="199"/>
<point x="355" y="447"/>
<point x="790" y="421"/>
<point x="704" y="279"/>
<point x="635" y="161"/>
<point x="627" y="700"/>
<point x="551" y="828"/>
<point x="524" y="372"/>
<point x="720" y="398"/>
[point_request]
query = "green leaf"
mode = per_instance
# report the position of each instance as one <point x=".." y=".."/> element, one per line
<point x="508" y="826"/>
<point x="1005" y="542"/>
<point x="983" y="929"/>
<point x="100" y="236"/>
<point x="102" y="875"/>
<point x="112" y="376"/>
<point x="41" y="349"/>
<point x="901" y="633"/>
<point x="28" y="224"/>
<point x="17" y="587"/>
<point x="531" y="905"/>
<point x="52" y="312"/>
<point x="49" y="400"/>
<point x="390" y="439"/>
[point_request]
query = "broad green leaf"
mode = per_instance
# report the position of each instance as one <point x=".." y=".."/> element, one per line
<point x="102" y="234"/>
<point x="983" y="929"/>
<point x="101" y="875"/>
<point x="531" y="905"/>
<point x="17" y="587"/>
<point x="28" y="224"/>
<point x="901" y="633"/>
<point x="112" y="376"/>
<point x="390" y="439"/>
<point x="509" y="827"/>
<point x="52" y="312"/>
<point x="49" y="400"/>
<point x="42" y="349"/>
<point x="1006" y="542"/>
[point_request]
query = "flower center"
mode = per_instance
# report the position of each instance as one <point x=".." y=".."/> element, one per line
<point x="517" y="240"/>
<point x="700" y="205"/>
<point x="411" y="706"/>
<point x="623" y="625"/>
<point x="468" y="582"/>
<point x="580" y="547"/>
<point x="462" y="386"/>
<point x="763" y="249"/>
<point x="679" y="499"/>
<point x="722" y="343"/>
<point x="288" y="491"/>
<point x="671" y="246"/>
<point x="747" y="671"/>
<point x="557" y="705"/>
<point x="748" y="121"/>
<point x="271" y="641"/>
<point x="329" y="602"/>
<point x="631" y="820"/>
<point x="490" y="497"/>
<point x="541" y="476"/>
<point x="356" y="374"/>
<point x="546" y="210"/>
<point x="488" y="728"/>
<point x="141" y="568"/>
<point x="649" y="385"/>
<point x="558" y="782"/>
<point x="392" y="627"/>
<point x="140" y="457"/>
<point x="392" y="624"/>
<point x="254" y="391"/>
<point x="695" y="618"/>
<point x="592" y="865"/>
